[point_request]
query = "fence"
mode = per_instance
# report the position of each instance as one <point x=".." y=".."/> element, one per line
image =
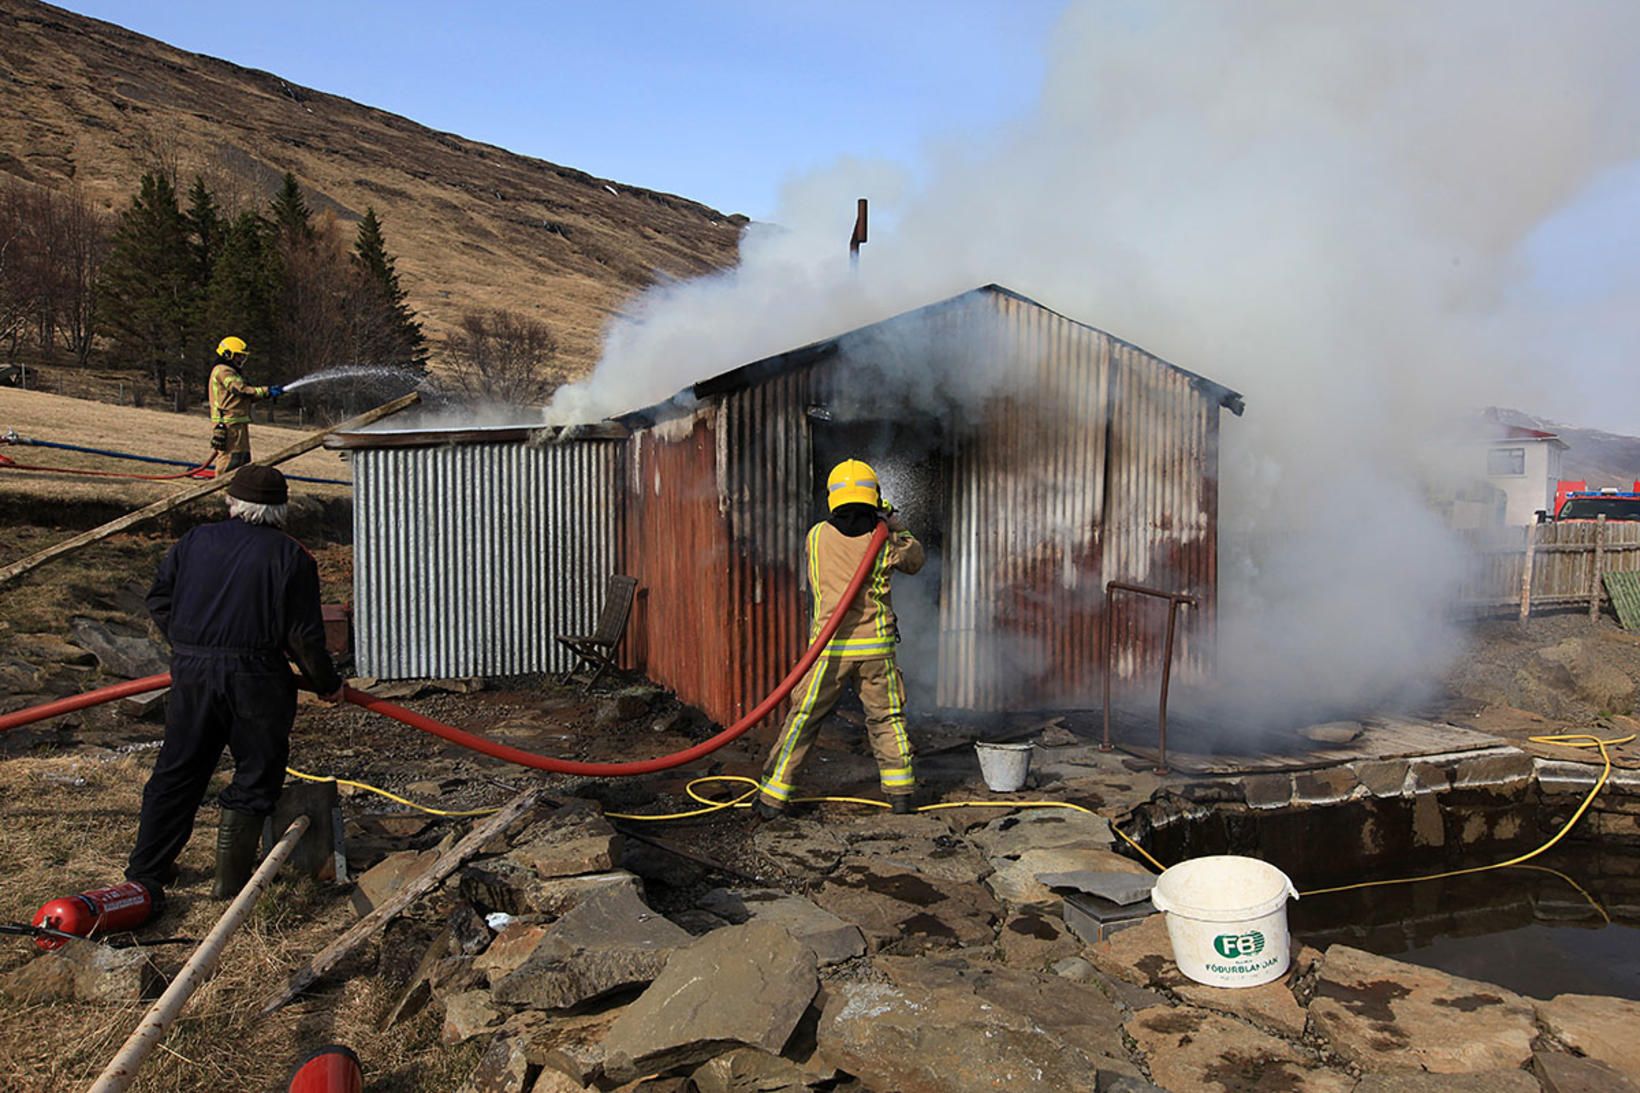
<point x="1548" y="565"/>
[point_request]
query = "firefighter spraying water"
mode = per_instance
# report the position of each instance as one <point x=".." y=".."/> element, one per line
<point x="863" y="649"/>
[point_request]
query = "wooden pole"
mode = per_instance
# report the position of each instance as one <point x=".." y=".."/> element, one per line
<point x="1526" y="574"/>
<point x="158" y="508"/>
<point x="367" y="927"/>
<point x="122" y="1069"/>
<point x="1594" y="570"/>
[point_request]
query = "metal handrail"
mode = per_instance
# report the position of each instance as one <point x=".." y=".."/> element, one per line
<point x="1175" y="600"/>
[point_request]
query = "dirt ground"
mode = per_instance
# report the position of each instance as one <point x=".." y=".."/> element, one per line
<point x="1561" y="666"/>
<point x="128" y="429"/>
<point x="69" y="796"/>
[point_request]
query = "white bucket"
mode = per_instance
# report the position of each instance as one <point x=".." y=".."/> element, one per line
<point x="1004" y="766"/>
<point x="1227" y="919"/>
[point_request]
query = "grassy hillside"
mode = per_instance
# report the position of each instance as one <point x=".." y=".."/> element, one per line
<point x="86" y="103"/>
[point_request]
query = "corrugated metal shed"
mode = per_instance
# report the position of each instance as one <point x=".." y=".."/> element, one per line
<point x="469" y="559"/>
<point x="1038" y="457"/>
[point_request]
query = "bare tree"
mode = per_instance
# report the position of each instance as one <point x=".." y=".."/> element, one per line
<point x="84" y="244"/>
<point x="16" y="295"/>
<point x="503" y="357"/>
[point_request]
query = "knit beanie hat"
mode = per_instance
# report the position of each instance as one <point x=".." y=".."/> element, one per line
<point x="259" y="485"/>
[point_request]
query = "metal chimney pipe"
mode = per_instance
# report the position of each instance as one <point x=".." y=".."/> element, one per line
<point x="859" y="234"/>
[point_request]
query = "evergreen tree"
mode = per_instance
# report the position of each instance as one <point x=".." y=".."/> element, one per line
<point x="243" y="287"/>
<point x="402" y="343"/>
<point x="206" y="231"/>
<point x="291" y="218"/>
<point x="145" y="286"/>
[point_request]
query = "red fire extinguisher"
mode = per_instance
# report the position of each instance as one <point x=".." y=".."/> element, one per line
<point x="100" y="911"/>
<point x="334" y="1068"/>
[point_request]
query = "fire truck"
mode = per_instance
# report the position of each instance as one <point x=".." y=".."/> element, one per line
<point x="1575" y="501"/>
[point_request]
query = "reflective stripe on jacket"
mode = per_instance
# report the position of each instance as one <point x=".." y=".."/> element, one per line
<point x="869" y="628"/>
<point x="231" y="396"/>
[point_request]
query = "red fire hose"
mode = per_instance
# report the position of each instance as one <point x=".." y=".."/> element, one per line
<point x="502" y="751"/>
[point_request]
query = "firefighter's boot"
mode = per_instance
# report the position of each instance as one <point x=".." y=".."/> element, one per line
<point x="237" y="837"/>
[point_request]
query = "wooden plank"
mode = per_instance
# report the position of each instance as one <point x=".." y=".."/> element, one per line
<point x="1526" y="573"/>
<point x="192" y="493"/>
<point x="1594" y="569"/>
<point x="1624" y="590"/>
<point x="368" y="926"/>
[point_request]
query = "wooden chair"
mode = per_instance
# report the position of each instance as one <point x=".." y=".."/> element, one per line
<point x="597" y="649"/>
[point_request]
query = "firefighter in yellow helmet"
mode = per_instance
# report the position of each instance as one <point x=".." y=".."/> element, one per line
<point x="861" y="650"/>
<point x="231" y="399"/>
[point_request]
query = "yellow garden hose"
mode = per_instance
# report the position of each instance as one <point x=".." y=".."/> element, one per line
<point x="709" y="806"/>
<point x="380" y="792"/>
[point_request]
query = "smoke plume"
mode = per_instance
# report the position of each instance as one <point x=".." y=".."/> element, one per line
<point x="1324" y="206"/>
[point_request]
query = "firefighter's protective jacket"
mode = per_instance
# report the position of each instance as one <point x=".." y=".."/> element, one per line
<point x="231" y="396"/>
<point x="246" y="591"/>
<point x="869" y="628"/>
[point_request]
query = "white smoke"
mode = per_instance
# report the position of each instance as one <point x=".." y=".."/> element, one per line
<point x="1323" y="206"/>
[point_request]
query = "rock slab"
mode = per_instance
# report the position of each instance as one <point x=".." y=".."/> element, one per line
<point x="832" y="939"/>
<point x="1416" y="1081"/>
<point x="84" y="971"/>
<point x="1570" y="1074"/>
<point x="942" y="1040"/>
<point x="610" y="941"/>
<point x="1381" y="1014"/>
<point x="747" y="985"/>
<point x="904" y="911"/>
<point x="1016" y="880"/>
<point x="1192" y="1049"/>
<point x="1601" y="1028"/>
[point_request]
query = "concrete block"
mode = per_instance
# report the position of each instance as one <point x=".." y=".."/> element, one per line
<point x="1382" y="777"/>
<point x="1268" y="790"/>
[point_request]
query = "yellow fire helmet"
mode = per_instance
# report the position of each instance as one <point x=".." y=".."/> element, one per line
<point x="230" y="347"/>
<point x="852" y="483"/>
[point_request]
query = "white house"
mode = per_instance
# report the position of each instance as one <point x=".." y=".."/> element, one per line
<point x="1525" y="465"/>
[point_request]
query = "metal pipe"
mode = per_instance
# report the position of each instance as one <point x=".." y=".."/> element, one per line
<point x="1174" y="601"/>
<point x="122" y="1069"/>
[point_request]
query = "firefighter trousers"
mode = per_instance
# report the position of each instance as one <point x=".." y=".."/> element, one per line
<point x="244" y="704"/>
<point x="882" y="692"/>
<point x="237" y="453"/>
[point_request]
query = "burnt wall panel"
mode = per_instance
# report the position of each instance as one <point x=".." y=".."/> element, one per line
<point x="1022" y="594"/>
<point x="768" y="466"/>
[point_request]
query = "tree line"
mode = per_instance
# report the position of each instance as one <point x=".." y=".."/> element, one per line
<point x="157" y="286"/>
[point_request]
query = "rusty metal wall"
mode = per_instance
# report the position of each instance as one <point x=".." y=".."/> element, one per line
<point x="470" y="559"/>
<point x="684" y="629"/>
<point x="1021" y="602"/>
<point x="1099" y="464"/>
<point x="768" y="468"/>
<point x="1161" y="522"/>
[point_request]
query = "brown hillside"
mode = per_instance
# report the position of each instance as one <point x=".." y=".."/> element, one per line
<point x="89" y="103"/>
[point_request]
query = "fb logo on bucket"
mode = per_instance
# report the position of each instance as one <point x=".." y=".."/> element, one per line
<point x="1231" y="946"/>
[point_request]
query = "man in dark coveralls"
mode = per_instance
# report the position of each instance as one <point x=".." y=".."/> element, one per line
<point x="235" y="599"/>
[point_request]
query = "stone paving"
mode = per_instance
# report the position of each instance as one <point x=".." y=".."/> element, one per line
<point x="928" y="953"/>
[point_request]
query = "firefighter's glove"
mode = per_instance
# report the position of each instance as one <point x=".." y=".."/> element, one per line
<point x="219" y="439"/>
<point x="893" y="519"/>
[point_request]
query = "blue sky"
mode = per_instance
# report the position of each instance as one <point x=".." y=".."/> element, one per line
<point x="716" y="101"/>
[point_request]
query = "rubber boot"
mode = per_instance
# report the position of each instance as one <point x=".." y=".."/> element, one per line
<point x="902" y="804"/>
<point x="238" y="835"/>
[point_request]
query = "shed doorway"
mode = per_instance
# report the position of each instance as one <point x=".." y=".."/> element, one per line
<point x="912" y="462"/>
